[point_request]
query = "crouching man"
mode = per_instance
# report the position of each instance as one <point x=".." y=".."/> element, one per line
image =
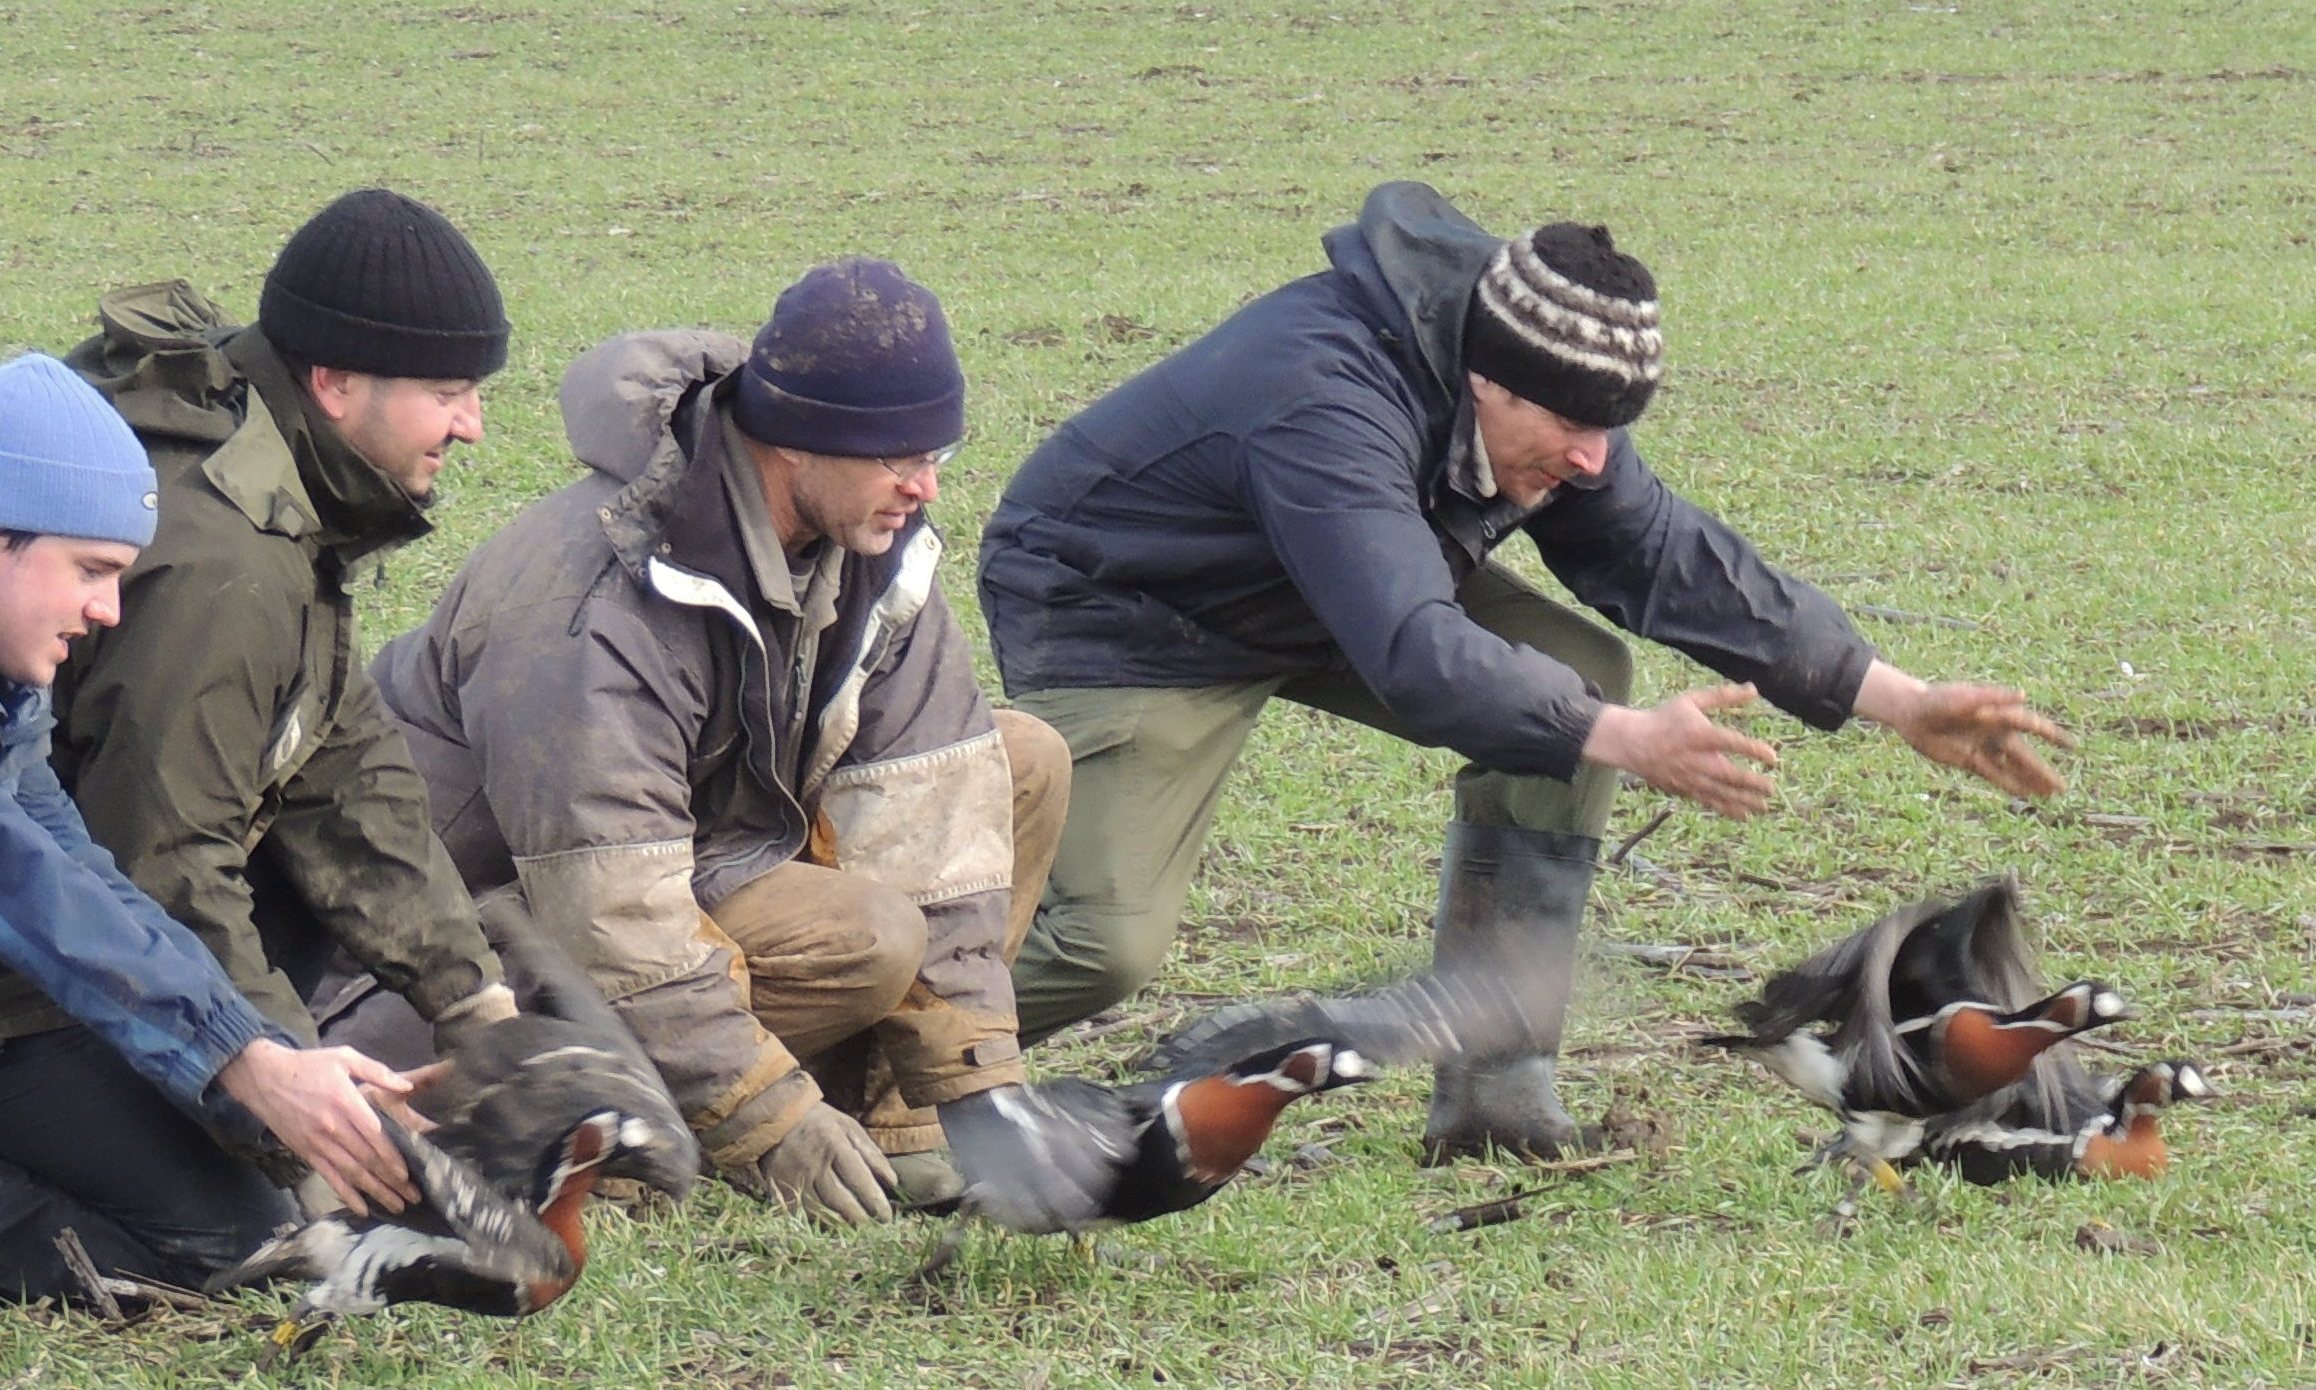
<point x="135" y="1080"/>
<point x="222" y="738"/>
<point x="710" y="710"/>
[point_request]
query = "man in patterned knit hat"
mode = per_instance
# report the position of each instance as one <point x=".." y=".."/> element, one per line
<point x="1302" y="504"/>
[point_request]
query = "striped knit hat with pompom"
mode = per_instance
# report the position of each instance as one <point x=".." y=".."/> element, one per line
<point x="1562" y="318"/>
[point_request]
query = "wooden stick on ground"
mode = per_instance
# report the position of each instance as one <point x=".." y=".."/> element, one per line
<point x="1624" y="847"/>
<point x="1496" y="1211"/>
<point x="84" y="1273"/>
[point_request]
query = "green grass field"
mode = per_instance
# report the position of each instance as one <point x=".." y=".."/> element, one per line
<point x="1995" y="317"/>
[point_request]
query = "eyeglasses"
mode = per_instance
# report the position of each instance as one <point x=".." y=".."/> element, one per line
<point x="908" y="470"/>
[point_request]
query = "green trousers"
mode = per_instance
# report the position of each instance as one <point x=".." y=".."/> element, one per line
<point x="1147" y="770"/>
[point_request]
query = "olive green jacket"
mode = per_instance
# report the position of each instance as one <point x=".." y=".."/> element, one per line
<point x="225" y="741"/>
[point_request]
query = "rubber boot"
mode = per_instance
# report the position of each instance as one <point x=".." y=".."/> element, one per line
<point x="1516" y="894"/>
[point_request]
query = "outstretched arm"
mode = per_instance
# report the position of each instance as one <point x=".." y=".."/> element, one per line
<point x="1982" y="729"/>
<point x="1677" y="748"/>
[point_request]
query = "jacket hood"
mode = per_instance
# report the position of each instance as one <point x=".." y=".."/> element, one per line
<point x="1416" y="259"/>
<point x="620" y="398"/>
<point x="182" y="375"/>
<point x="156" y="359"/>
<point x="639" y="410"/>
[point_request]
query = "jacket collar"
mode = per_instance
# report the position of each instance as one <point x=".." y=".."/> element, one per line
<point x="1412" y="260"/>
<point x="25" y="714"/>
<point x="288" y="470"/>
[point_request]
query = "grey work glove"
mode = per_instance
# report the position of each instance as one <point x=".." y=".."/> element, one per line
<point x="827" y="1168"/>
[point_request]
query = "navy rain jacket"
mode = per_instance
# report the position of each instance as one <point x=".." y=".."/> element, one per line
<point x="102" y="951"/>
<point x="1271" y="500"/>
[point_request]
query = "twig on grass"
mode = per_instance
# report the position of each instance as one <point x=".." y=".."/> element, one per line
<point x="1625" y="846"/>
<point x="2298" y="1014"/>
<point x="2084" y="1042"/>
<point x="167" y="1295"/>
<point x="84" y="1273"/>
<point x="2253" y="1046"/>
<point x="1095" y="1031"/>
<point x="1498" y="1210"/>
<point x="1701" y="960"/>
<point x="1490" y="1213"/>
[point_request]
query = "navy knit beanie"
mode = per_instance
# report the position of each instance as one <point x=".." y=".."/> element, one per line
<point x="69" y="465"/>
<point x="383" y="284"/>
<point x="856" y="362"/>
<point x="1562" y="318"/>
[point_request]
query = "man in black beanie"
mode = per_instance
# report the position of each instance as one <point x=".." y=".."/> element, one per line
<point x="223" y="741"/>
<point x="1302" y="503"/>
<point x="709" y="708"/>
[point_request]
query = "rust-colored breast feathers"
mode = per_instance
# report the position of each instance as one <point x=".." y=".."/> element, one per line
<point x="1222" y="1123"/>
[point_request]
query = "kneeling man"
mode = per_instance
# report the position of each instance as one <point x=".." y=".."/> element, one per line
<point x="709" y="709"/>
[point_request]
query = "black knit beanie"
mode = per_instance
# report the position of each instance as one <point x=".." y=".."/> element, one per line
<point x="856" y="362"/>
<point x="1562" y="318"/>
<point x="383" y="284"/>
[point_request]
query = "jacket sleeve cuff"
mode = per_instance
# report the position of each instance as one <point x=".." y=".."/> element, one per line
<point x="492" y="1003"/>
<point x="456" y="984"/>
<point x="1564" y="755"/>
<point x="985" y="1079"/>
<point x="233" y="1025"/>
<point x="1838" y="703"/>
<point x="223" y="1036"/>
<point x="941" y="1053"/>
<point x="766" y="1104"/>
<point x="939" y="1090"/>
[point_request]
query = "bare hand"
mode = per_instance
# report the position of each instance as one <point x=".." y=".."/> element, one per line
<point x="314" y="1101"/>
<point x="415" y="1084"/>
<point x="1981" y="729"/>
<point x="1677" y="748"/>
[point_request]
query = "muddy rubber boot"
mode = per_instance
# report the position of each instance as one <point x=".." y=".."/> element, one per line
<point x="1518" y="893"/>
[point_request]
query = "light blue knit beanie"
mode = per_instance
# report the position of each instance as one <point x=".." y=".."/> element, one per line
<point x="69" y="465"/>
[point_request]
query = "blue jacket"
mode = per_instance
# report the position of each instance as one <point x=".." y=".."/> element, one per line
<point x="100" y="949"/>
<point x="1272" y="500"/>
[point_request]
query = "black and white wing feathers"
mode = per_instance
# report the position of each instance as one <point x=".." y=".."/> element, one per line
<point x="1429" y="1018"/>
<point x="1046" y="1158"/>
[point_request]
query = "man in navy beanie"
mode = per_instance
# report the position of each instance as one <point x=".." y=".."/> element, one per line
<point x="1302" y="504"/>
<point x="224" y="740"/>
<point x="709" y="713"/>
<point x="129" y="1064"/>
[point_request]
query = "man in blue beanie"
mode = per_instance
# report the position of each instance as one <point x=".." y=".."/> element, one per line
<point x="128" y="1049"/>
<point x="223" y="739"/>
<point x="709" y="708"/>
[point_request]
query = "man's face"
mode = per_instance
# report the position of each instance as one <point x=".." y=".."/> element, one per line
<point x="51" y="591"/>
<point x="1532" y="450"/>
<point x="862" y="503"/>
<point x="401" y="426"/>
